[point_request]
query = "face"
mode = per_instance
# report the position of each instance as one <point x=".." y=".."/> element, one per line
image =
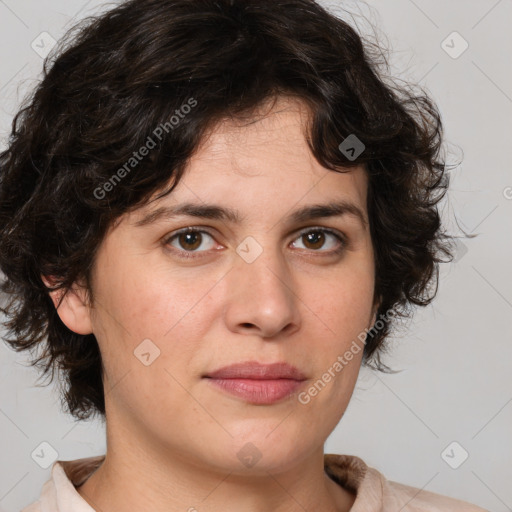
<point x="171" y="308"/>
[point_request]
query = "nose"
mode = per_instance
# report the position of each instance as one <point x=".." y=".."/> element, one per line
<point x="261" y="297"/>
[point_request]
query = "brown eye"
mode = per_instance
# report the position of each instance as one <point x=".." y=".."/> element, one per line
<point x="190" y="240"/>
<point x="318" y="238"/>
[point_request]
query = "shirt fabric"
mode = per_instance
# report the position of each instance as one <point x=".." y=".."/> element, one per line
<point x="374" y="492"/>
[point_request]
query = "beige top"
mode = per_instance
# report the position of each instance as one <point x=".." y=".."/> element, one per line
<point x="374" y="492"/>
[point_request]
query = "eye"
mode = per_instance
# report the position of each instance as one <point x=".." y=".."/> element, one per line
<point x="189" y="240"/>
<point x="316" y="238"/>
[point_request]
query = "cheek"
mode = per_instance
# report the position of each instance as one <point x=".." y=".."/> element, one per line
<point x="154" y="302"/>
<point x="344" y="304"/>
<point x="148" y="337"/>
<point x="159" y="318"/>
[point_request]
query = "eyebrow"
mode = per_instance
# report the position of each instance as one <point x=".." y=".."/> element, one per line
<point x="215" y="212"/>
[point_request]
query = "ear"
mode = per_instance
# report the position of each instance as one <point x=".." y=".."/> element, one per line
<point x="376" y="306"/>
<point x="73" y="310"/>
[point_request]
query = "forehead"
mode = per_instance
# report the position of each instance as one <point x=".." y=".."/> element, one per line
<point x="268" y="153"/>
<point x="277" y="127"/>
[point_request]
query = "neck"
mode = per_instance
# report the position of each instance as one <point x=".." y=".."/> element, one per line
<point x="138" y="476"/>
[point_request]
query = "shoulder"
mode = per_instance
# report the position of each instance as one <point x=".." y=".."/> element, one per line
<point x="59" y="492"/>
<point x="33" y="507"/>
<point x="413" y="499"/>
<point x="374" y="492"/>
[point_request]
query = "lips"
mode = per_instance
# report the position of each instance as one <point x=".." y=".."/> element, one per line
<point x="258" y="371"/>
<point x="257" y="383"/>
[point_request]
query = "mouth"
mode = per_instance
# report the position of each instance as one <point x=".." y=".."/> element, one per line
<point x="256" y="383"/>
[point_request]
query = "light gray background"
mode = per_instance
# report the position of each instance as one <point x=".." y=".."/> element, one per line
<point x="456" y="355"/>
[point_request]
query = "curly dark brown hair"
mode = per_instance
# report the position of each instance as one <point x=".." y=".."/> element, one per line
<point x="117" y="76"/>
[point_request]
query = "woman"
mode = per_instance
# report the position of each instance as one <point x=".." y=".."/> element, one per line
<point x="211" y="212"/>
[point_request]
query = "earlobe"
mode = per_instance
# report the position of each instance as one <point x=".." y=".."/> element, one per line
<point x="73" y="310"/>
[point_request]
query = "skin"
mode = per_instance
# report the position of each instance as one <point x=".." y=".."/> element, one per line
<point x="173" y="439"/>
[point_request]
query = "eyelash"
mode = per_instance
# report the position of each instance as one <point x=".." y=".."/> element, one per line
<point x="191" y="254"/>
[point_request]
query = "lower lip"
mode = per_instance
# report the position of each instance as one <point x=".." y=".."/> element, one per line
<point x="258" y="391"/>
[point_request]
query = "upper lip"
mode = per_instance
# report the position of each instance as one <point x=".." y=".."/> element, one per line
<point x="259" y="371"/>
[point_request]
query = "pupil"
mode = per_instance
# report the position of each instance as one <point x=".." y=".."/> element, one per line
<point x="187" y="237"/>
<point x="315" y="235"/>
